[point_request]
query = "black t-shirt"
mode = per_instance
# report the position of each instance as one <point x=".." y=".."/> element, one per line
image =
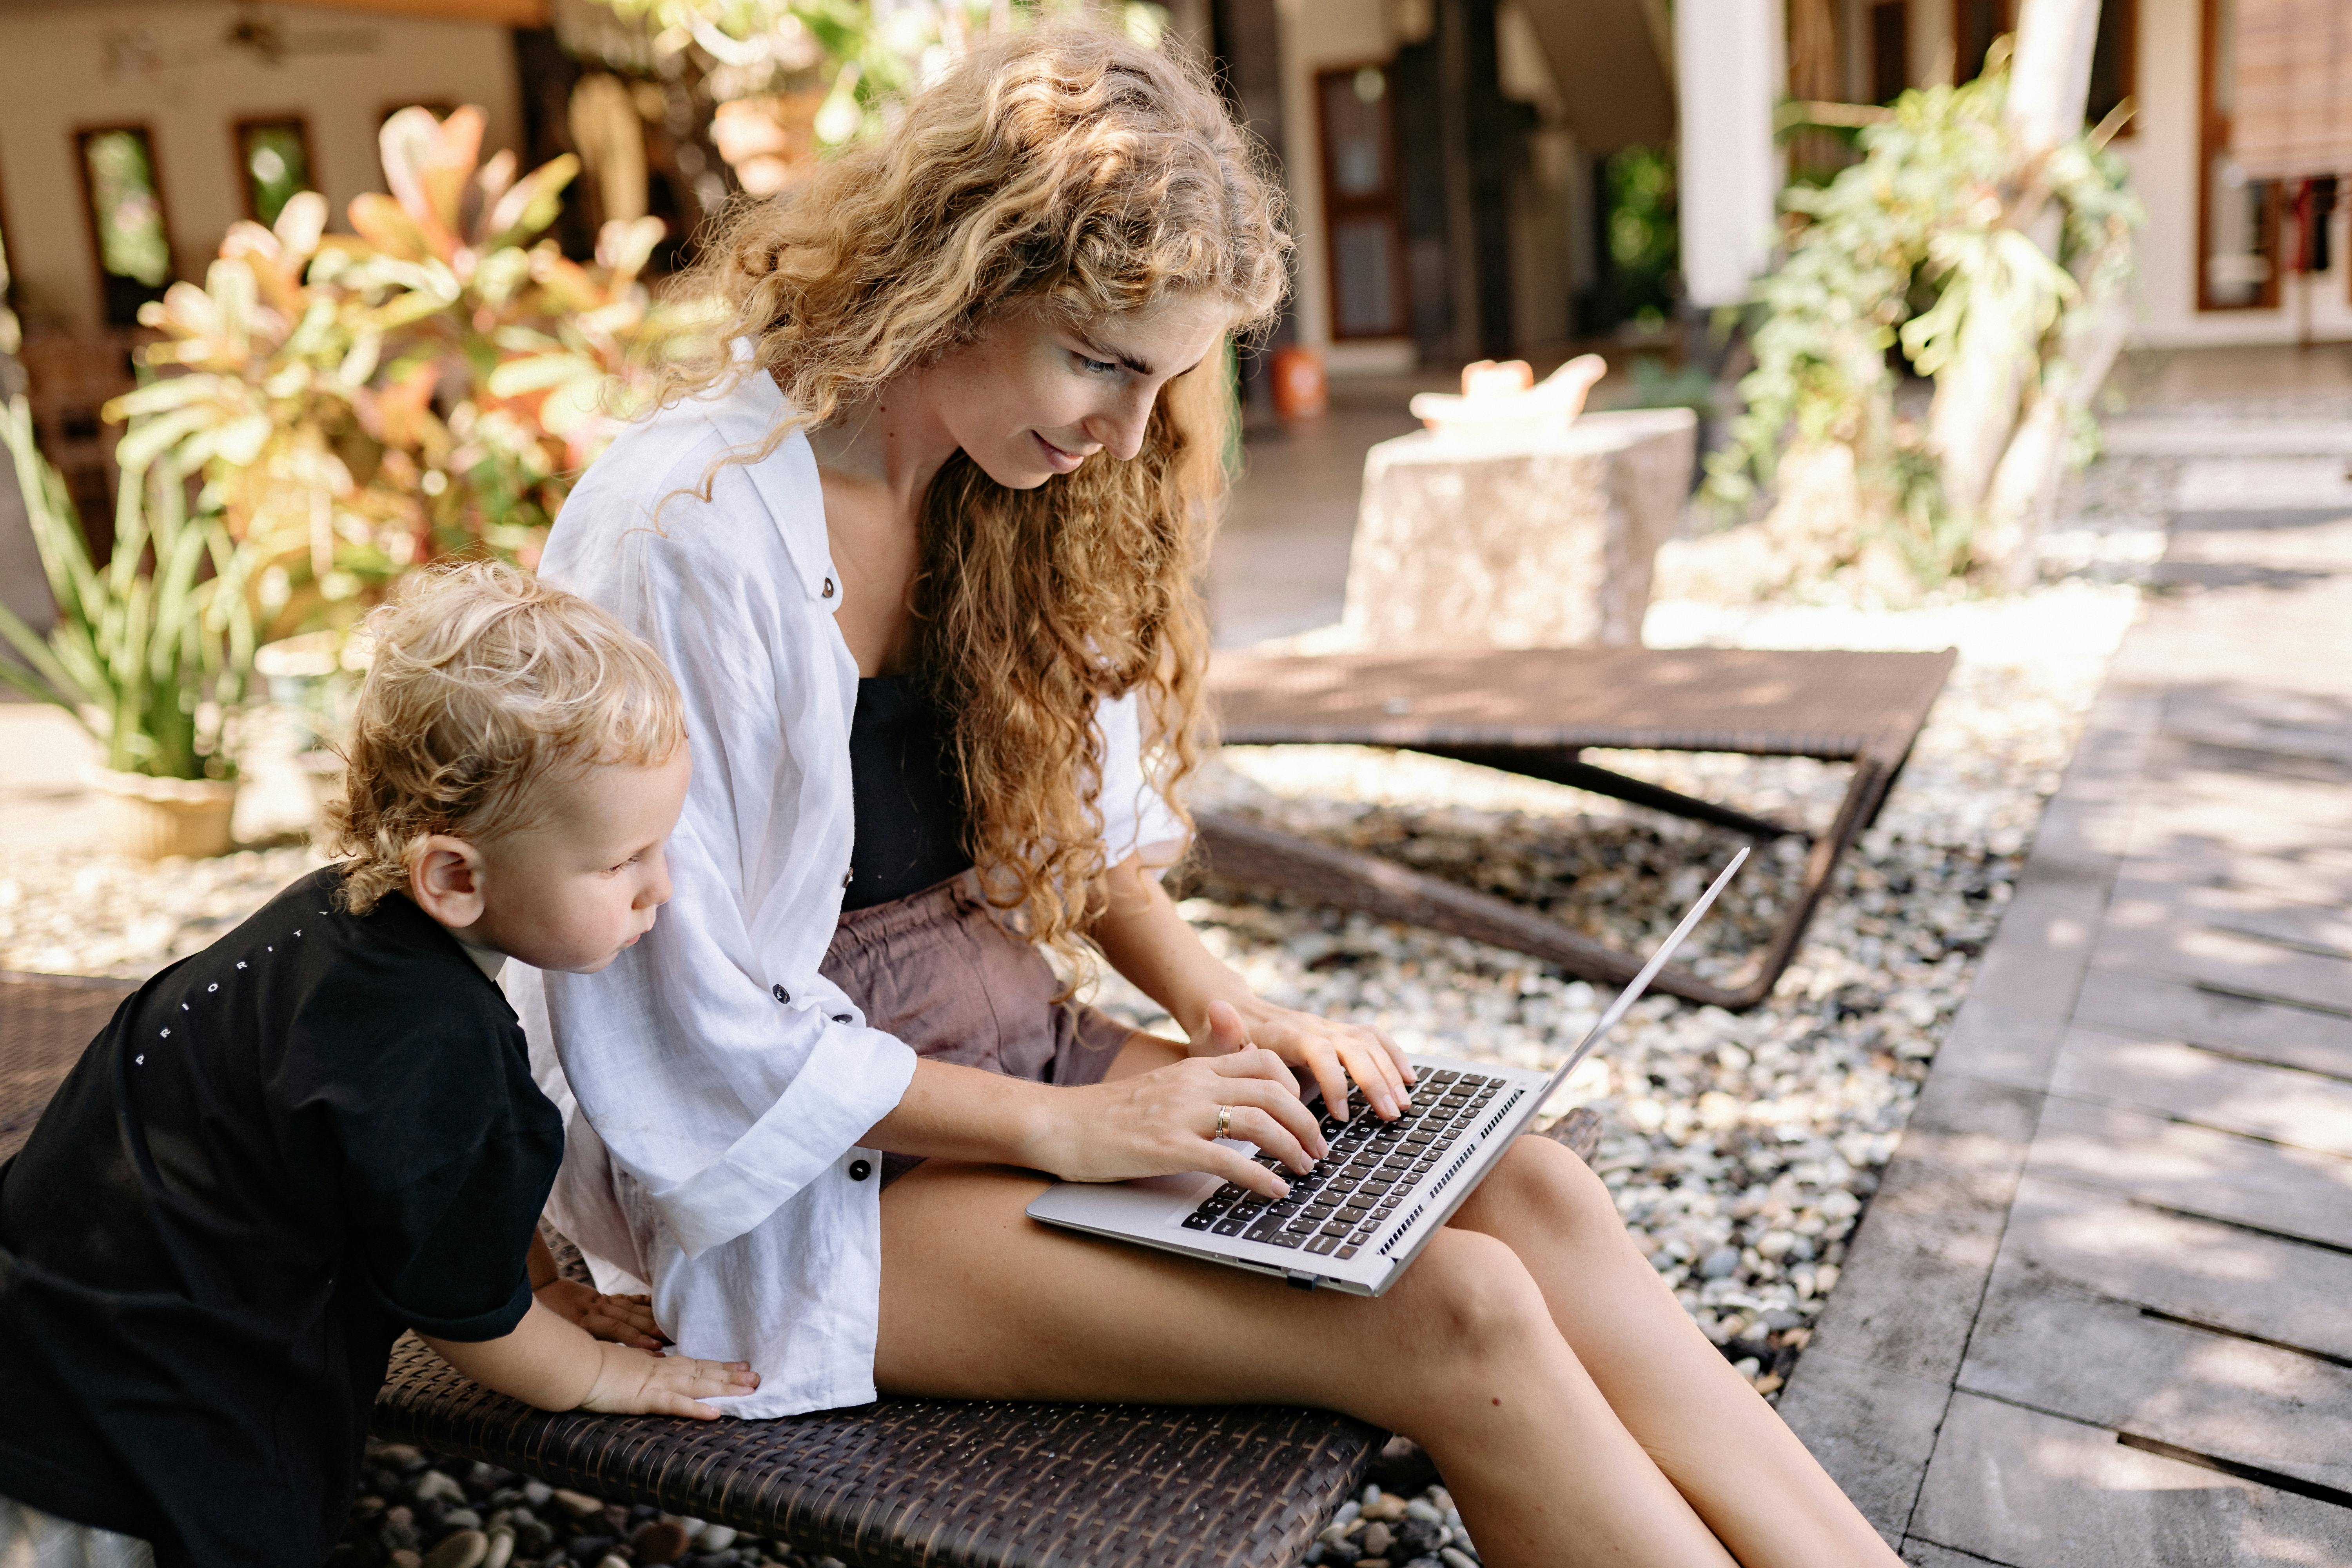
<point x="906" y="795"/>
<point x="319" y="1131"/>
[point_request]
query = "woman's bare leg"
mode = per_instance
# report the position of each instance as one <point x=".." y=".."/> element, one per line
<point x="980" y="1301"/>
<point x="1746" y="1473"/>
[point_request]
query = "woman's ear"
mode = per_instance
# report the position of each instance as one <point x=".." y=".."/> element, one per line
<point x="445" y="877"/>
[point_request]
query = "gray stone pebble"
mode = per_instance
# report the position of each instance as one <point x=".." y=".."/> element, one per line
<point x="422" y="1511"/>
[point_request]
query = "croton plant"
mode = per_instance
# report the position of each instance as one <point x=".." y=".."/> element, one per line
<point x="430" y="382"/>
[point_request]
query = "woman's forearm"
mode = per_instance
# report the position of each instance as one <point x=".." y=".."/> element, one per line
<point x="952" y="1112"/>
<point x="1146" y="940"/>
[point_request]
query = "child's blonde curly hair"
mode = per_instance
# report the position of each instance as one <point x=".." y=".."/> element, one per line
<point x="484" y="682"/>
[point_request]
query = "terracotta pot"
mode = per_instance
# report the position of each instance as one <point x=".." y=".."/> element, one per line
<point x="1300" y="389"/>
<point x="155" y="819"/>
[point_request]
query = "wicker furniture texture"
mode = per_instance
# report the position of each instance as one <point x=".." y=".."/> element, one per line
<point x="1534" y="711"/>
<point x="905" y="1483"/>
<point x="45" y="1022"/>
<point x="920" y="1483"/>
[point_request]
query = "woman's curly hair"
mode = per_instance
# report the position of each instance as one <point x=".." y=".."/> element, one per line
<point x="1070" y="170"/>
<point x="484" y="682"/>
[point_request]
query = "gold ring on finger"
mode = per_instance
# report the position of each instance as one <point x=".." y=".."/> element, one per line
<point x="1224" y="1119"/>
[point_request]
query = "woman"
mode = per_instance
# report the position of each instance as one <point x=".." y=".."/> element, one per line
<point x="921" y="554"/>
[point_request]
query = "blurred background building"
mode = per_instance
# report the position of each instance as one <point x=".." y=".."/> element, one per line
<point x="1470" y="178"/>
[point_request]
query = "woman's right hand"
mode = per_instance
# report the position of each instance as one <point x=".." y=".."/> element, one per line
<point x="1163" y="1122"/>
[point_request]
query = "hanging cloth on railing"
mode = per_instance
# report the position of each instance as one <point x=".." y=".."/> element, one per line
<point x="2292" y="93"/>
<point x="2314" y="222"/>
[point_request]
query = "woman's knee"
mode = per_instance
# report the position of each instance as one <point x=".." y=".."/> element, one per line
<point x="1539" y="1182"/>
<point x="1474" y="1301"/>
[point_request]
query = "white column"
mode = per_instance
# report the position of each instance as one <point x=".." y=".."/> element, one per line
<point x="1730" y="61"/>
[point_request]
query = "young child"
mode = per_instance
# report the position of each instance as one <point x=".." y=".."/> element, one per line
<point x="322" y="1129"/>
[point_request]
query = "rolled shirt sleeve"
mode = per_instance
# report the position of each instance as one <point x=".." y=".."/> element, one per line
<point x="721" y="1084"/>
<point x="721" y="1072"/>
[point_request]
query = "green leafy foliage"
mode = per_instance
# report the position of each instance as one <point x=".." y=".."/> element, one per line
<point x="428" y="384"/>
<point x="1924" y="242"/>
<point x="867" y="59"/>
<point x="150" y="652"/>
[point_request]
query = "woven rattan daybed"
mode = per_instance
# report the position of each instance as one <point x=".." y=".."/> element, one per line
<point x="902" y="1483"/>
<point x="1535" y="712"/>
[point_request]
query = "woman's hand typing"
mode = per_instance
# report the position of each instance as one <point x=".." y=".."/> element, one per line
<point x="1325" y="1050"/>
<point x="1167" y="1120"/>
<point x="1149" y="942"/>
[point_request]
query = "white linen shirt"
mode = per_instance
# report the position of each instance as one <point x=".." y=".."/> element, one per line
<point x="715" y="1086"/>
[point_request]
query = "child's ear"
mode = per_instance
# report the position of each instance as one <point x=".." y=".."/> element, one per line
<point x="445" y="877"/>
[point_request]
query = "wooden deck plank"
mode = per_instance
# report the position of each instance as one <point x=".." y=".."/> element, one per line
<point x="2195" y="1169"/>
<point x="2095" y="1359"/>
<point x="2284" y="1104"/>
<point x="2037" y="1491"/>
<point x="2121" y="1003"/>
<point x="2303" y="873"/>
<point x="2145" y="936"/>
<point x="2286" y="920"/>
<point x="2242" y="813"/>
<point x="2216" y="1274"/>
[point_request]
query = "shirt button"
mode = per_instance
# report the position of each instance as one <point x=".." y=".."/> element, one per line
<point x="859" y="1170"/>
<point x="828" y="587"/>
<point x="782" y="994"/>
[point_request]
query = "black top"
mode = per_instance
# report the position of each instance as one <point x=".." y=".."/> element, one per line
<point x="908" y="799"/>
<point x="279" y="1154"/>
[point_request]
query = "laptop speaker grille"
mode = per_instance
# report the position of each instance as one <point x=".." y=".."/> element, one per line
<point x="1446" y="1176"/>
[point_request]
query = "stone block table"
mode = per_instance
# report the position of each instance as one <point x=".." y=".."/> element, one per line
<point x="1540" y="539"/>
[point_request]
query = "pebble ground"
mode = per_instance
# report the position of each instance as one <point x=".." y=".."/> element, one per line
<point x="1741" y="1149"/>
<point x="420" y="1509"/>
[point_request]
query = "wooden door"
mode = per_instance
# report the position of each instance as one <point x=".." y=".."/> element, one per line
<point x="1363" y="236"/>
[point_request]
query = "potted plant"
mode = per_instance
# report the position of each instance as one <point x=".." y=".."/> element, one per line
<point x="150" y="653"/>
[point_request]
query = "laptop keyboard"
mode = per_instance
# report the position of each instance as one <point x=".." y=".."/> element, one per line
<point x="1352" y="1192"/>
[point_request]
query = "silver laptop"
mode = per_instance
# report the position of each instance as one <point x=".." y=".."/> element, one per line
<point x="1366" y="1210"/>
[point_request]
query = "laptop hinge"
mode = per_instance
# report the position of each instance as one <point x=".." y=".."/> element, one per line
<point x="1298" y="1281"/>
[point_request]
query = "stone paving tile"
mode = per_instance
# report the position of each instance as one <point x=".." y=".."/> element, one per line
<point x="2103" y="1361"/>
<point x="2292" y="1037"/>
<point x="1917" y="1266"/>
<point x="2195" y="1169"/>
<point x="2222" y="1275"/>
<point x="2037" y="1491"/>
<point x="2282" y="1104"/>
<point x="2169" y="939"/>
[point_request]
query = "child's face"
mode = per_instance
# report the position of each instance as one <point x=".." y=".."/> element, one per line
<point x="575" y="888"/>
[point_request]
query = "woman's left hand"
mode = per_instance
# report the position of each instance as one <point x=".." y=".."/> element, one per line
<point x="622" y="1319"/>
<point x="1324" y="1049"/>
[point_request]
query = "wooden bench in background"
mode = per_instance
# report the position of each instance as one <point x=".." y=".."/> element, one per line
<point x="1534" y="711"/>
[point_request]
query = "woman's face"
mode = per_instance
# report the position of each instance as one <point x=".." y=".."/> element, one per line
<point x="1031" y="397"/>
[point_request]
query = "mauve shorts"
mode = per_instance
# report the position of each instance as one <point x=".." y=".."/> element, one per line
<point x="939" y="970"/>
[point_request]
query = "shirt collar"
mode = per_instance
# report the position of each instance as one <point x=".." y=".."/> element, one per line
<point x="786" y="477"/>
<point x="487" y="960"/>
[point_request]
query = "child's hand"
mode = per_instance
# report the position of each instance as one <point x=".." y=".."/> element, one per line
<point x="623" y="1320"/>
<point x="633" y="1383"/>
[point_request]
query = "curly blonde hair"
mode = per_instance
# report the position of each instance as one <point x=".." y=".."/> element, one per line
<point x="1070" y="170"/>
<point x="483" y="682"/>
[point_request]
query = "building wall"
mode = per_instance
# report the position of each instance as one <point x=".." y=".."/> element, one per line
<point x="2162" y="153"/>
<point x="1320" y="35"/>
<point x="168" y="67"/>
